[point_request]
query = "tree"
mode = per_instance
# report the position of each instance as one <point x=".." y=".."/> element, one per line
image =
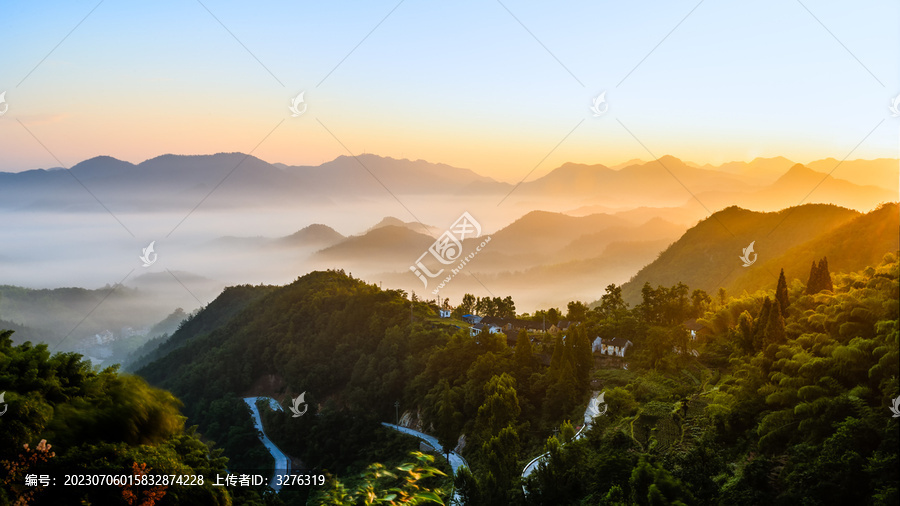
<point x="467" y="306"/>
<point x="781" y="294"/>
<point x="506" y="308"/>
<point x="819" y="277"/>
<point x="523" y="355"/>
<point x="699" y="302"/>
<point x="501" y="454"/>
<point x="652" y="485"/>
<point x="774" y="331"/>
<point x="445" y="413"/>
<point x="577" y="311"/>
<point x="500" y="407"/>
<point x="582" y="355"/>
<point x="553" y="316"/>
<point x="723" y="296"/>
<point x="612" y="305"/>
<point x="759" y="325"/>
<point x="745" y="325"/>
<point x="380" y="486"/>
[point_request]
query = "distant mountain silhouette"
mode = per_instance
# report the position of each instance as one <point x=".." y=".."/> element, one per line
<point x="176" y="182"/>
<point x="591" y="245"/>
<point x="545" y="232"/>
<point x="758" y="170"/>
<point x="881" y="172"/>
<point x="369" y="174"/>
<point x="421" y="228"/>
<point x="667" y="181"/>
<point x="224" y="179"/>
<point x="315" y="235"/>
<point x="390" y="244"/>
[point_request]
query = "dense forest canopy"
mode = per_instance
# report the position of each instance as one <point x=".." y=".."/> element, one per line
<point x="775" y="397"/>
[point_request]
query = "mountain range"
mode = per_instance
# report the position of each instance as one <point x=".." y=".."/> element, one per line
<point x="237" y="179"/>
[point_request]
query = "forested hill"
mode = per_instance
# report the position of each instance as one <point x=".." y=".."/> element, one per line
<point x="231" y="301"/>
<point x="783" y="395"/>
<point x="345" y="343"/>
<point x="308" y="333"/>
<point x="852" y="246"/>
<point x="706" y="256"/>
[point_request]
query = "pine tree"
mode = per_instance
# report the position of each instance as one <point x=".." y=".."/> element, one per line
<point x="813" y="281"/>
<point x="582" y="357"/>
<point x="781" y="294"/>
<point x="826" y="283"/>
<point x="774" y="332"/>
<point x="523" y="356"/>
<point x="759" y="324"/>
<point x="745" y="324"/>
<point x="819" y="278"/>
<point x="556" y="360"/>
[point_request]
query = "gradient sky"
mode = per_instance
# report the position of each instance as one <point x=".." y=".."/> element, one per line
<point x="464" y="83"/>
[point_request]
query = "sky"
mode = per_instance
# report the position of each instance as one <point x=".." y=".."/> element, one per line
<point x="503" y="88"/>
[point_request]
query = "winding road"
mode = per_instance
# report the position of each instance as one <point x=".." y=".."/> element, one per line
<point x="591" y="412"/>
<point x="282" y="461"/>
<point x="456" y="460"/>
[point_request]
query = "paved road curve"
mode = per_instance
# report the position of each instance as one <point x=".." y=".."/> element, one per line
<point x="282" y="462"/>
<point x="456" y="460"/>
<point x="592" y="411"/>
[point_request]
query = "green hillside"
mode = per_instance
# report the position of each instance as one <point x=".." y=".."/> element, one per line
<point x="60" y="416"/>
<point x="707" y="255"/>
<point x="774" y="396"/>
<point x="851" y="246"/>
<point x="231" y="301"/>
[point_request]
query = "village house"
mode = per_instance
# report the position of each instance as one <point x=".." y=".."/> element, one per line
<point x="474" y="330"/>
<point x="560" y="326"/>
<point x="614" y="347"/>
<point x="445" y="313"/>
<point x="470" y="318"/>
<point x="694" y="328"/>
<point x="513" y="324"/>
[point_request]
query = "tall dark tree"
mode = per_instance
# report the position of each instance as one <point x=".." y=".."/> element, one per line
<point x="577" y="311"/>
<point x="581" y="354"/>
<point x="745" y="326"/>
<point x="825" y="274"/>
<point x="813" y="282"/>
<point x="774" y="331"/>
<point x="781" y="294"/>
<point x="612" y="305"/>
<point x="759" y="324"/>
<point x="819" y="277"/>
<point x="700" y="301"/>
<point x="523" y="355"/>
<point x="468" y="304"/>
